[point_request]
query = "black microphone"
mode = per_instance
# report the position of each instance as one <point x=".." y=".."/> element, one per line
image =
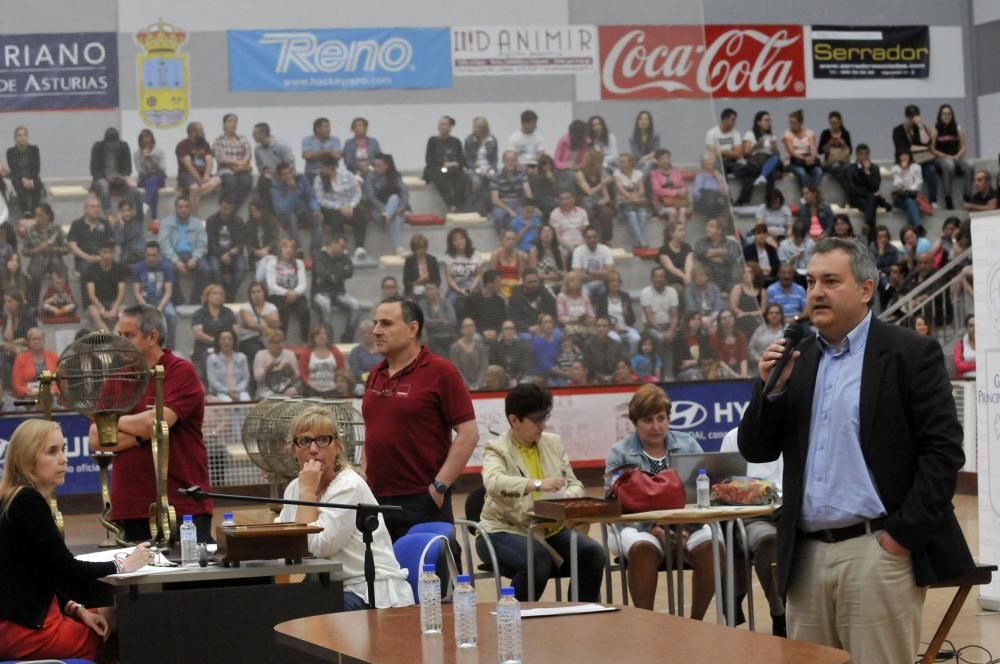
<point x="195" y="492"/>
<point x="793" y="334"/>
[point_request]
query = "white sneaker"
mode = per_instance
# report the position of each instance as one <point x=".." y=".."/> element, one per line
<point x="360" y="254"/>
<point x="759" y="181"/>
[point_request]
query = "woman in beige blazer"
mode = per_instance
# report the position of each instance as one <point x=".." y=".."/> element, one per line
<point x="522" y="465"/>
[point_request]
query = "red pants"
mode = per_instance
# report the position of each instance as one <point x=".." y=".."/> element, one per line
<point x="60" y="637"/>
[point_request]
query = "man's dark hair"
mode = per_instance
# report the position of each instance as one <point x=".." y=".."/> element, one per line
<point x="526" y="399"/>
<point x="862" y="146"/>
<point x="387" y="279"/>
<point x="489" y="276"/>
<point x="727" y="113"/>
<point x="318" y="121"/>
<point x="180" y="198"/>
<point x="282" y="167"/>
<point x="124" y="203"/>
<point x="528" y="116"/>
<point x="153" y="244"/>
<point x="411" y="311"/>
<point x="329" y="161"/>
<point x="655" y="269"/>
<point x="107" y="244"/>
<point x="227" y="198"/>
<point x="263" y="128"/>
<point x="911" y="111"/>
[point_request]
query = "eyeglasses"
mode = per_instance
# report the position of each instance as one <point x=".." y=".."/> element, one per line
<point x="304" y="442"/>
<point x="539" y="419"/>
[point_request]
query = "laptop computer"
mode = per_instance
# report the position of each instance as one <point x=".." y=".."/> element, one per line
<point x="720" y="466"/>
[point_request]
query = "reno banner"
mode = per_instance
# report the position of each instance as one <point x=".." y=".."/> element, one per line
<point x="871" y="52"/>
<point x="64" y="71"/>
<point x="692" y="61"/>
<point x="348" y="59"/>
<point x="524" y="49"/>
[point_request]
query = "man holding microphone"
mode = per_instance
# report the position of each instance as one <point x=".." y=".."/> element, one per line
<point x="864" y="414"/>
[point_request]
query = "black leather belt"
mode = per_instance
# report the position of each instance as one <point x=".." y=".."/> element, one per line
<point x="832" y="535"/>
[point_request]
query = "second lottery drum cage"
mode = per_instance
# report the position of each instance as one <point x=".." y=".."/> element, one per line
<point x="266" y="437"/>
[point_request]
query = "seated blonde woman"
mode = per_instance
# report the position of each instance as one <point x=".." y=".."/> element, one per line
<point x="39" y="577"/>
<point x="327" y="476"/>
<point x="649" y="448"/>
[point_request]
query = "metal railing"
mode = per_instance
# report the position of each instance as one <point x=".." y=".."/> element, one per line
<point x="942" y="300"/>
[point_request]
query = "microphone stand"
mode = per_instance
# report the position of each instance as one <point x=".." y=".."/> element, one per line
<point x="366" y="521"/>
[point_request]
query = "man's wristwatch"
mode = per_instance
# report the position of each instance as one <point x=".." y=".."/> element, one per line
<point x="440" y="487"/>
<point x="537" y="484"/>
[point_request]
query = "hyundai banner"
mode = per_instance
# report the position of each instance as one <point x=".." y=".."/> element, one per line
<point x="348" y="59"/>
<point x="693" y="62"/>
<point x="871" y="52"/>
<point x="62" y="71"/>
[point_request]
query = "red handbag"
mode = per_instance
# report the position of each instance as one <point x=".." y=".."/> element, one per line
<point x="639" y="491"/>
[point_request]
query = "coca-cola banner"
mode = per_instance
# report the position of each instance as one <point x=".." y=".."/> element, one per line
<point x="693" y="61"/>
<point x="871" y="52"/>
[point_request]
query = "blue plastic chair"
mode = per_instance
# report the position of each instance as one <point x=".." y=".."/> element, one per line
<point x="434" y="527"/>
<point x="412" y="550"/>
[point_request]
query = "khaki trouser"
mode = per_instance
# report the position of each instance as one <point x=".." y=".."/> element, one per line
<point x="856" y="596"/>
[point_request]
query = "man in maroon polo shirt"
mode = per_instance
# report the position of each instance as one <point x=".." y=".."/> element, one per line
<point x="133" y="484"/>
<point x="413" y="402"/>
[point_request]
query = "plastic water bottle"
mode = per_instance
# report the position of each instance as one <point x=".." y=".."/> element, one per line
<point x="509" y="628"/>
<point x="228" y="520"/>
<point x="464" y="602"/>
<point x="704" y="490"/>
<point x="189" y="542"/>
<point x="429" y="592"/>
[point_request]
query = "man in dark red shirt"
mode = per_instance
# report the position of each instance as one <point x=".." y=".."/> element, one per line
<point x="413" y="402"/>
<point x="133" y="485"/>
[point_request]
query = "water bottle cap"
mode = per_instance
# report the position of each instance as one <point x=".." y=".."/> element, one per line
<point x="188" y="517"/>
<point x="507" y="592"/>
<point x="464" y="578"/>
<point x="702" y="471"/>
<point x="429" y="568"/>
<point x="227" y="516"/>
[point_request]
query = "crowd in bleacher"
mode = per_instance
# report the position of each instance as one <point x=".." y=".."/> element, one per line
<point x="546" y="305"/>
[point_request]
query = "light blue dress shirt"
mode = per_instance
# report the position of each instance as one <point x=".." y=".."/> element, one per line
<point x="839" y="490"/>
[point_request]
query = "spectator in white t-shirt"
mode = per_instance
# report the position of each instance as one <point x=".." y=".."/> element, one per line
<point x="594" y="262"/>
<point x="568" y="220"/>
<point x="526" y="141"/>
<point x="725" y="142"/>
<point x="659" y="304"/>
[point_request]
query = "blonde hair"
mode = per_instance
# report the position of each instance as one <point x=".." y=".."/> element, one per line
<point x="25" y="445"/>
<point x="208" y="291"/>
<point x="319" y="418"/>
<point x="648" y="400"/>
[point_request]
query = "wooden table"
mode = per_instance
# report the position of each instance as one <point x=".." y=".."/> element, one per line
<point x="391" y="636"/>
<point x="713" y="516"/>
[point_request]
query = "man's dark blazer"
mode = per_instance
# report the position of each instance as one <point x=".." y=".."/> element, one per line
<point x="910" y="437"/>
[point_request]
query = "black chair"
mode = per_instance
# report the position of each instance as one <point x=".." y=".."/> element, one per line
<point x="468" y="528"/>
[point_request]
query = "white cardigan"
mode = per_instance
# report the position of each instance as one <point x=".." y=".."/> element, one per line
<point x="341" y="541"/>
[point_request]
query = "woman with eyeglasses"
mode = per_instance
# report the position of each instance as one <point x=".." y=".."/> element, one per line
<point x="39" y="577"/>
<point x="649" y="448"/>
<point x="326" y="475"/>
<point x="523" y="465"/>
